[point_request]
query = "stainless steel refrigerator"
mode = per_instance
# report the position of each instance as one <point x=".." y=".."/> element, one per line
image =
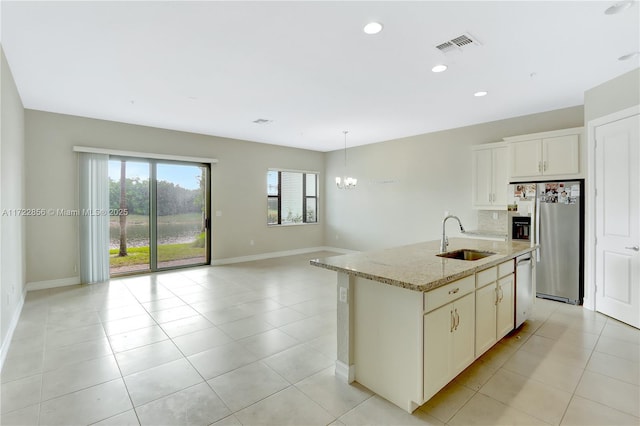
<point x="560" y="233"/>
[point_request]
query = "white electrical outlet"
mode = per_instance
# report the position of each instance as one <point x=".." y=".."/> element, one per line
<point x="343" y="294"/>
<point x="495" y="216"/>
<point x="251" y="242"/>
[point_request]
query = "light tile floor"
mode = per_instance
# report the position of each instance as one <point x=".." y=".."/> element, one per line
<point x="255" y="343"/>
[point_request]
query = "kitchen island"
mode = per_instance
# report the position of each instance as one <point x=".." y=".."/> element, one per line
<point x="409" y="321"/>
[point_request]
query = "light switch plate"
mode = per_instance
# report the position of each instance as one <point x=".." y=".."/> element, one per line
<point x="343" y="294"/>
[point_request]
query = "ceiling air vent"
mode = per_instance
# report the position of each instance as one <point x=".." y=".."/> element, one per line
<point x="262" y="121"/>
<point x="458" y="43"/>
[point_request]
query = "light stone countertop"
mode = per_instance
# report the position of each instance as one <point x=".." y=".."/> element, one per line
<point x="486" y="234"/>
<point x="416" y="266"/>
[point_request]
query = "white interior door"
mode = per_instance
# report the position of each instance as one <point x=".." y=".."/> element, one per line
<point x="618" y="219"/>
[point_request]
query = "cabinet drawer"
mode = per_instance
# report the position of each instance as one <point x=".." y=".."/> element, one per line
<point x="487" y="276"/>
<point x="506" y="268"/>
<point x="442" y="295"/>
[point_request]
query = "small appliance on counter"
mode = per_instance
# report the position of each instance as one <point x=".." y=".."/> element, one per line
<point x="520" y="228"/>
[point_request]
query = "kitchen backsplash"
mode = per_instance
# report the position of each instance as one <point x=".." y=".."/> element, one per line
<point x="486" y="222"/>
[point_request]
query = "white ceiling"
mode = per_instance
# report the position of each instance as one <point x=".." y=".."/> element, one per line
<point x="215" y="67"/>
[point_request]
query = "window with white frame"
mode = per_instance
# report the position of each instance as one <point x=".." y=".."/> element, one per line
<point x="292" y="197"/>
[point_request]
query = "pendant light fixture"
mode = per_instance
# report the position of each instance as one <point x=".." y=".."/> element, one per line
<point x="346" y="182"/>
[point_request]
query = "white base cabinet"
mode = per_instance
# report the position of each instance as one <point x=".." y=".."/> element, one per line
<point x="505" y="317"/>
<point x="448" y="343"/>
<point x="408" y="345"/>
<point x="485" y="318"/>
<point x="494" y="305"/>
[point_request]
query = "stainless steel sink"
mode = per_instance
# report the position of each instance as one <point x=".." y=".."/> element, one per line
<point x="466" y="254"/>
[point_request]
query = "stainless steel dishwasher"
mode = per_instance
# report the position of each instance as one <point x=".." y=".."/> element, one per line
<point x="524" y="288"/>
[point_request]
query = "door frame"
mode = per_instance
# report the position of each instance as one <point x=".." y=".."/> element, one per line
<point x="590" y="217"/>
<point x="153" y="208"/>
<point x="153" y="212"/>
<point x="179" y="158"/>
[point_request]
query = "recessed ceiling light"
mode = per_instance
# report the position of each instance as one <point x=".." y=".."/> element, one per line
<point x="439" y="68"/>
<point x="480" y="94"/>
<point x="373" y="28"/>
<point x="629" y="56"/>
<point x="618" y="7"/>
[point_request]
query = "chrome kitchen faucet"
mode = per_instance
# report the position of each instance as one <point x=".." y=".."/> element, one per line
<point x="444" y="242"/>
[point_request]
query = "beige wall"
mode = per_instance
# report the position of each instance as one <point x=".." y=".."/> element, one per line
<point x="405" y="185"/>
<point x="238" y="187"/>
<point x="614" y="95"/>
<point x="12" y="249"/>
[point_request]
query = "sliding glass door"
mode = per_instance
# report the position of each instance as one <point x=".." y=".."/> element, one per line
<point x="159" y="215"/>
<point x="129" y="236"/>
<point x="181" y="214"/>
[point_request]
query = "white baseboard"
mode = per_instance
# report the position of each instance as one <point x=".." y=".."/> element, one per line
<point x="275" y="254"/>
<point x="345" y="372"/>
<point x="62" y="282"/>
<point x="338" y="250"/>
<point x="4" y="349"/>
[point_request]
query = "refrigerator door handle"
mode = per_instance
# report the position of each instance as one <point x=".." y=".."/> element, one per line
<point x="634" y="248"/>
<point x="537" y="224"/>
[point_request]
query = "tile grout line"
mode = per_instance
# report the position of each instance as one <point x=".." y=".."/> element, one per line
<point x="305" y="345"/>
<point x="44" y="348"/>
<point x="491" y="376"/>
<point x="168" y="338"/>
<point x="118" y="365"/>
<point x="573" y="394"/>
<point x="476" y="392"/>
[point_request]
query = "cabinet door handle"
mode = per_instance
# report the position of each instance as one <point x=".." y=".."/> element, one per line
<point x="634" y="248"/>
<point x="454" y="291"/>
<point x="453" y="321"/>
<point x="544" y="166"/>
<point x="539" y="166"/>
<point x="497" y="297"/>
<point x="457" y="319"/>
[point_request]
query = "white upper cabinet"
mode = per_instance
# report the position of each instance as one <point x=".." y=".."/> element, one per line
<point x="526" y="158"/>
<point x="561" y="155"/>
<point x="490" y="176"/>
<point x="548" y="155"/>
